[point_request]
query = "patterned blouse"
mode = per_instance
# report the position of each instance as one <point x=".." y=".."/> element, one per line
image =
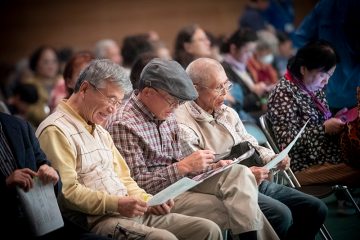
<point x="289" y="108"/>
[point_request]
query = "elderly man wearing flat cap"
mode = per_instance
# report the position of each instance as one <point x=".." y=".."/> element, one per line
<point x="146" y="133"/>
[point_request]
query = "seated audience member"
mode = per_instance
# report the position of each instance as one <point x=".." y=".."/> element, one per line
<point x="96" y="179"/>
<point x="206" y="123"/>
<point x="145" y="132"/>
<point x="160" y="49"/>
<point x="44" y="63"/>
<point x="285" y="52"/>
<point x="336" y="21"/>
<point x="299" y="97"/>
<point x="22" y="97"/>
<point x="191" y="43"/>
<point x="65" y="87"/>
<point x="248" y="95"/>
<point x="260" y="65"/>
<point x="132" y="47"/>
<point x="138" y="66"/>
<point x="21" y="160"/>
<point x="108" y="49"/>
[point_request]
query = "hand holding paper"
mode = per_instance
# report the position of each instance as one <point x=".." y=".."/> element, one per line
<point x="186" y="183"/>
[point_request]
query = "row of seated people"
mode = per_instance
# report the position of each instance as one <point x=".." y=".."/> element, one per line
<point x="50" y="77"/>
<point x="97" y="182"/>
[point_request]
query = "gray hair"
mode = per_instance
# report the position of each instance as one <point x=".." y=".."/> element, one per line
<point x="100" y="71"/>
<point x="201" y="70"/>
<point x="102" y="47"/>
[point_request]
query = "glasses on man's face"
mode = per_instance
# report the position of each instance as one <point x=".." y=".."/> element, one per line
<point x="171" y="102"/>
<point x="221" y="89"/>
<point x="111" y="100"/>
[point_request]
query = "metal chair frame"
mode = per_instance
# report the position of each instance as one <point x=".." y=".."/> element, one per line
<point x="288" y="174"/>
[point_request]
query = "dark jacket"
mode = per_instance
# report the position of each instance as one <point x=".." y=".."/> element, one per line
<point x="27" y="153"/>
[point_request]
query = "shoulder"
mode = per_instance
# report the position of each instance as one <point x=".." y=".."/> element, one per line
<point x="10" y="120"/>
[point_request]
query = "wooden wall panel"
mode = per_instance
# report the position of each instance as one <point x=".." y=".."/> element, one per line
<point x="80" y="23"/>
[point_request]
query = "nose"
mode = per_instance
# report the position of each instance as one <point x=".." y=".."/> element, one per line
<point x="111" y="108"/>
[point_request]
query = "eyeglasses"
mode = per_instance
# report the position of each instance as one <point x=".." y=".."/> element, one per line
<point x="221" y="89"/>
<point x="173" y="102"/>
<point x="111" y="100"/>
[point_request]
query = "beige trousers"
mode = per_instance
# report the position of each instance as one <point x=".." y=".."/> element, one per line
<point x="163" y="227"/>
<point x="230" y="199"/>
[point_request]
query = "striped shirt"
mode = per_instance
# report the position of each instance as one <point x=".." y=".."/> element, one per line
<point x="7" y="160"/>
<point x="150" y="146"/>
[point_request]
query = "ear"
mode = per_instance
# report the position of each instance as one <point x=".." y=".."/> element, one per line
<point x="148" y="92"/>
<point x="84" y="87"/>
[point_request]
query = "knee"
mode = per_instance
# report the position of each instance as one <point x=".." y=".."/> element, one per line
<point x="320" y="210"/>
<point x="212" y="230"/>
<point x="160" y="234"/>
<point x="284" y="219"/>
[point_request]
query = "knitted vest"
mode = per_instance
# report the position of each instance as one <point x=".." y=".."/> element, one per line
<point x="94" y="158"/>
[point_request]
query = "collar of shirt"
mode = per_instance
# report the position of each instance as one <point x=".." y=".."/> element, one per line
<point x="233" y="62"/>
<point x="201" y="115"/>
<point x="64" y="106"/>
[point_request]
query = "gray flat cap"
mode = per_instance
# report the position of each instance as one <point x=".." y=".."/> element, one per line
<point x="169" y="76"/>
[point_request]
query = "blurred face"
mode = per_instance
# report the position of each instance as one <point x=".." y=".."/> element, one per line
<point x="159" y="102"/>
<point x="199" y="45"/>
<point x="163" y="53"/>
<point x="244" y="53"/>
<point x="265" y="56"/>
<point x="113" y="53"/>
<point x="48" y="65"/>
<point x="212" y="95"/>
<point x="100" y="102"/>
<point x="316" y="79"/>
<point x="286" y="49"/>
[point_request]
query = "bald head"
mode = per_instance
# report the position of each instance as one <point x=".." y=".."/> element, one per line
<point x="203" y="70"/>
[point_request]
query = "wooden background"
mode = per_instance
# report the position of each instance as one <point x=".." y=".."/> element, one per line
<point x="80" y="23"/>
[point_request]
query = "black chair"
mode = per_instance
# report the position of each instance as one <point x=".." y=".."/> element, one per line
<point x="320" y="191"/>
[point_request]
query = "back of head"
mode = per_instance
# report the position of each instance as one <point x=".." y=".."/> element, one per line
<point x="138" y="66"/>
<point x="170" y="76"/>
<point x="26" y="92"/>
<point x="314" y="55"/>
<point x="133" y="46"/>
<point x="239" y="38"/>
<point x="100" y="71"/>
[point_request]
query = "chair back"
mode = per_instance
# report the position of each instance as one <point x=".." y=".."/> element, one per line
<point x="266" y="126"/>
<point x="255" y="131"/>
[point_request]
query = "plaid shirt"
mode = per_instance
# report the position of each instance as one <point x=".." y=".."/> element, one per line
<point x="150" y="147"/>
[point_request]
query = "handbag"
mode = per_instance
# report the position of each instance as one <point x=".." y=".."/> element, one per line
<point x="241" y="148"/>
